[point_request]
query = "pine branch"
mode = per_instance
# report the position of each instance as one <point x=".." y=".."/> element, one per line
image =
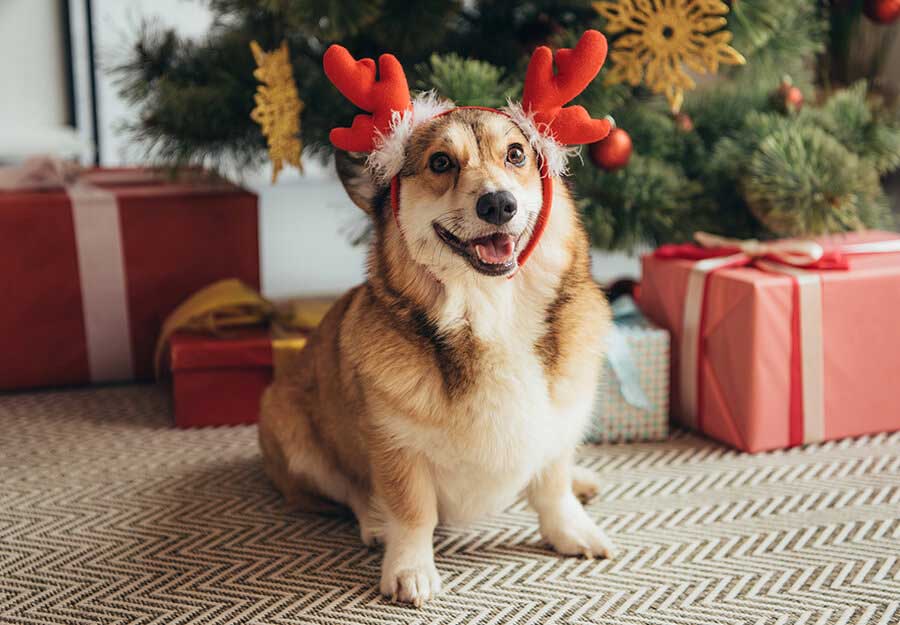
<point x="466" y="82"/>
<point x="866" y="128"/>
<point x="779" y="36"/>
<point x="802" y="181"/>
<point x="645" y="203"/>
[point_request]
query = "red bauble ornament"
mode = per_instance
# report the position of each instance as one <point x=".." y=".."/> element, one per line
<point x="790" y="97"/>
<point x="683" y="122"/>
<point x="793" y="99"/>
<point x="882" y="11"/>
<point x="613" y="152"/>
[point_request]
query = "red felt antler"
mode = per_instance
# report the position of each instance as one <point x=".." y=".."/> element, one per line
<point x="545" y="93"/>
<point x="356" y="80"/>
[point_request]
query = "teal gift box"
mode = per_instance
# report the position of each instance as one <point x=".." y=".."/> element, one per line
<point x="632" y="401"/>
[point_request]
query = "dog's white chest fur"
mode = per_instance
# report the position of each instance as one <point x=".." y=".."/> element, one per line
<point x="512" y="433"/>
<point x="507" y="428"/>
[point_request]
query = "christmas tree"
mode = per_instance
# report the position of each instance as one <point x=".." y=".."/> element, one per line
<point x="728" y="117"/>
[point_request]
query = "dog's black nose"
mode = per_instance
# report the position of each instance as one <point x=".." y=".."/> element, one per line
<point x="496" y="207"/>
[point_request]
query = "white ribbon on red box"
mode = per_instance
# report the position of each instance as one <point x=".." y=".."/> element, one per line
<point x="801" y="261"/>
<point x="101" y="270"/>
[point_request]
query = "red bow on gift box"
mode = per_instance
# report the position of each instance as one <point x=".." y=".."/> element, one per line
<point x="793" y="252"/>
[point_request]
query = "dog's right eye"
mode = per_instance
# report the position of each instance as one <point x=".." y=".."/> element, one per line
<point x="439" y="163"/>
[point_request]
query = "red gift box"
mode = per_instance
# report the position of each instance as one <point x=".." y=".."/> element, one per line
<point x="225" y="344"/>
<point x="91" y="271"/>
<point x="219" y="381"/>
<point x="770" y="351"/>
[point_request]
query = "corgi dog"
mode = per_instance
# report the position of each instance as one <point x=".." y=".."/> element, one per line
<point x="458" y="376"/>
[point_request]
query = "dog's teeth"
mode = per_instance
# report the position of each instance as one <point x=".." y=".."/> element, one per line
<point x="480" y="255"/>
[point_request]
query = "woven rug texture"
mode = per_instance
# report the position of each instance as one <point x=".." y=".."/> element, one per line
<point x="109" y="515"/>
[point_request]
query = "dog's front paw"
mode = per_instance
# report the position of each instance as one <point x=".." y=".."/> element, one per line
<point x="574" y="534"/>
<point x="413" y="583"/>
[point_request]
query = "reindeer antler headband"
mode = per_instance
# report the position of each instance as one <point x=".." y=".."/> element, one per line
<point x="551" y="127"/>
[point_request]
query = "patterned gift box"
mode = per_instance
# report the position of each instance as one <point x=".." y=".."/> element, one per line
<point x="633" y="394"/>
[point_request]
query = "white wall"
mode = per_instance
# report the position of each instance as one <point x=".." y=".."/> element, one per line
<point x="31" y="64"/>
<point x="33" y="99"/>
<point x="116" y="27"/>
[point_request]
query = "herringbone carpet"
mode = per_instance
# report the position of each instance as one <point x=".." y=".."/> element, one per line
<point x="109" y="516"/>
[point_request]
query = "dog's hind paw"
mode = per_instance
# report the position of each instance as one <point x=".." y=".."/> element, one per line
<point x="574" y="533"/>
<point x="585" y="483"/>
<point x="368" y="536"/>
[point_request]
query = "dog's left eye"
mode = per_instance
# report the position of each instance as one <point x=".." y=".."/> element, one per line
<point x="440" y="162"/>
<point x="515" y="155"/>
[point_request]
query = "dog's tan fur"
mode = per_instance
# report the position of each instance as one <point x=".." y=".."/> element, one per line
<point x="432" y="392"/>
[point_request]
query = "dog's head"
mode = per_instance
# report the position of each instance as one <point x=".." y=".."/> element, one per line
<point x="470" y="188"/>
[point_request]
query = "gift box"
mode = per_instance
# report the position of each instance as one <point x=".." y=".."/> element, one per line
<point x="632" y="401"/>
<point x="784" y="343"/>
<point x="92" y="267"/>
<point x="225" y="344"/>
<point x="220" y="380"/>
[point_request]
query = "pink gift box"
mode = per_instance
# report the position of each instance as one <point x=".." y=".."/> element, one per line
<point x="748" y="347"/>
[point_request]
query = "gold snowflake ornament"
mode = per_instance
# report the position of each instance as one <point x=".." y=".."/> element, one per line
<point x="663" y="39"/>
<point x="278" y="106"/>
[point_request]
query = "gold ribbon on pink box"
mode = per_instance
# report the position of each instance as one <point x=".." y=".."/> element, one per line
<point x="801" y="261"/>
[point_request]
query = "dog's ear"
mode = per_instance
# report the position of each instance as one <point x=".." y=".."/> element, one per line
<point x="356" y="178"/>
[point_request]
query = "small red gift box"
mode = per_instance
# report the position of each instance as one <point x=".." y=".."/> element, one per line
<point x="90" y="271"/>
<point x="225" y="344"/>
<point x="771" y="350"/>
<point x="219" y="380"/>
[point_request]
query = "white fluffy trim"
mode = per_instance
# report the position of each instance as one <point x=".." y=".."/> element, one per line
<point x="555" y="154"/>
<point x="386" y="160"/>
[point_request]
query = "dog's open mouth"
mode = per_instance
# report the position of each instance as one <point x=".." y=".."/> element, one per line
<point x="492" y="255"/>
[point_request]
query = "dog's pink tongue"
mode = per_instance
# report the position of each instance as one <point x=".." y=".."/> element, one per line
<point x="495" y="249"/>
